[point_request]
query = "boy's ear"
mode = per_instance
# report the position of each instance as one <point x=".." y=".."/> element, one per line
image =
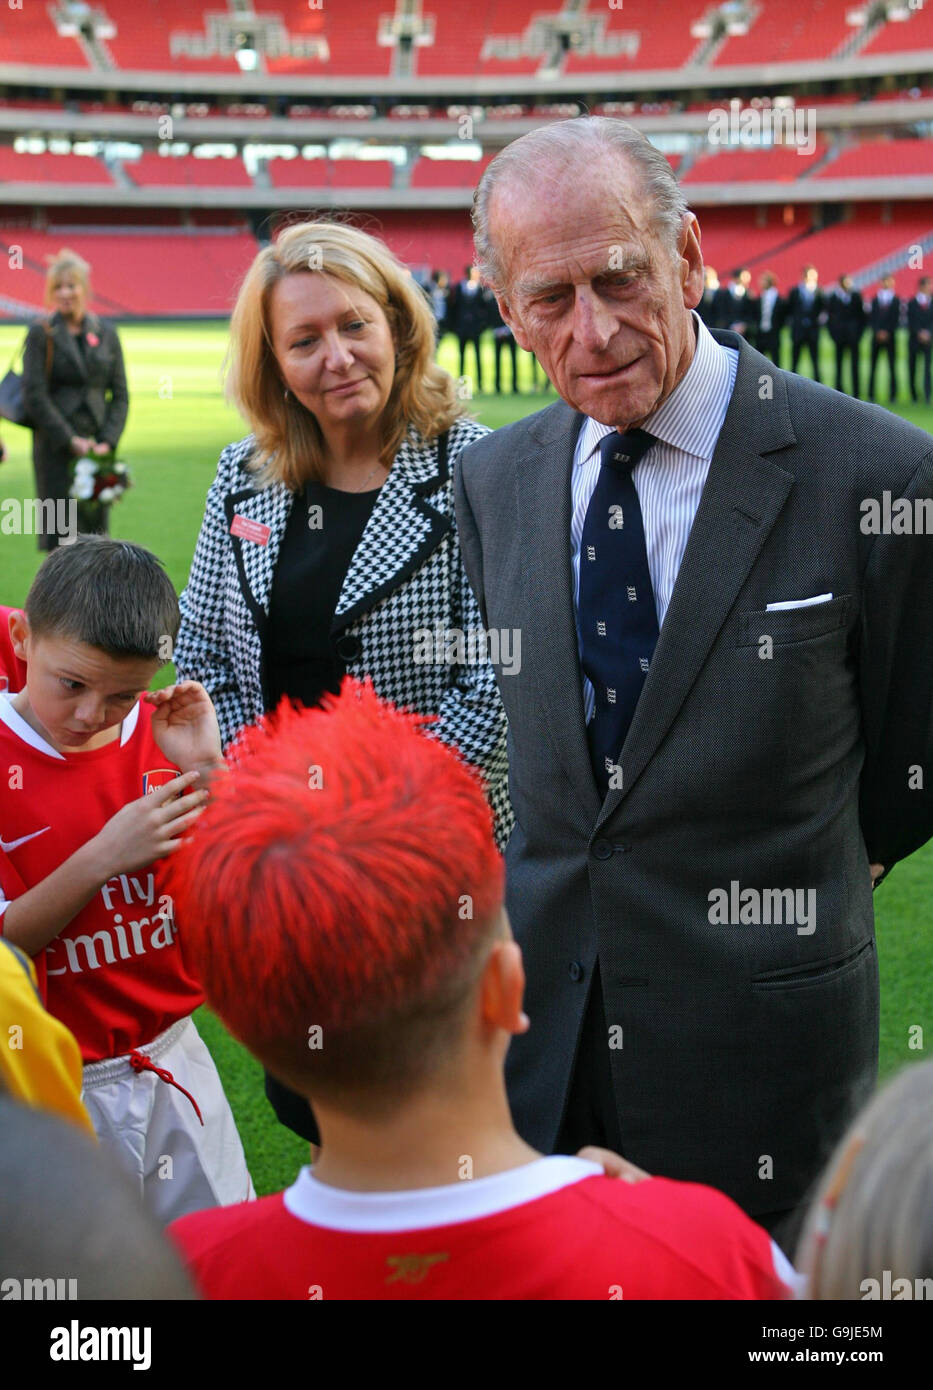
<point x="19" y="631"/>
<point x="502" y="988"/>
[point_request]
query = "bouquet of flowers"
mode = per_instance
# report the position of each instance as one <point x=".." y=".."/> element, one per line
<point x="99" y="480"/>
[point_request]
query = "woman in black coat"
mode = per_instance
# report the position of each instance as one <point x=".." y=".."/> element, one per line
<point x="74" y="384"/>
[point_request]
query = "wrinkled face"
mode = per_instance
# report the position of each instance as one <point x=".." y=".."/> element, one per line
<point x="334" y="349"/>
<point x="76" y="694"/>
<point x="593" y="292"/>
<point x="68" y="297"/>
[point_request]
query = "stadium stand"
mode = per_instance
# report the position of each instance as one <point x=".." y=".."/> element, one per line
<point x="155" y="170"/>
<point x="664" y="38"/>
<point x="876" y="159"/>
<point x="51" y="168"/>
<point x="35" y="41"/>
<point x="140" y="272"/>
<point x="143" y="40"/>
<point x="910" y="34"/>
<point x="793" y="30"/>
<point x="448" y="173"/>
<point x="782" y="164"/>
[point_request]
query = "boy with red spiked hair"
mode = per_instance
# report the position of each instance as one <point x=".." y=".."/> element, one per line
<point x="366" y="959"/>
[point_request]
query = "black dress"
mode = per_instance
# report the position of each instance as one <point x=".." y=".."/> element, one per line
<point x="323" y="530"/>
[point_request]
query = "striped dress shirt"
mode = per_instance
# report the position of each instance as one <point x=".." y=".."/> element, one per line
<point x="670" y="478"/>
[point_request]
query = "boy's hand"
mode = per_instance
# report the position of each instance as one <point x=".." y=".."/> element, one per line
<point x="185" y="726"/>
<point x="148" y="828"/>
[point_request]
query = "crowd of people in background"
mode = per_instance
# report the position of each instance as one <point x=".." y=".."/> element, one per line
<point x="467" y="309"/>
<point x="806" y="309"/>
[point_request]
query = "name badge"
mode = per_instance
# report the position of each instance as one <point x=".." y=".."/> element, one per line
<point x="250" y="530"/>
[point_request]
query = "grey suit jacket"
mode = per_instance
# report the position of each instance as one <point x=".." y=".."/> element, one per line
<point x="739" y="1047"/>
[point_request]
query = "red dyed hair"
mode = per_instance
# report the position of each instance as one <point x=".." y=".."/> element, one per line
<point x="344" y="876"/>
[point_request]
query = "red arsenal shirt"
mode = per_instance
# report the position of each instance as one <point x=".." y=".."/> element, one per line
<point x="557" y="1228"/>
<point x="12" y="670"/>
<point x="115" y="975"/>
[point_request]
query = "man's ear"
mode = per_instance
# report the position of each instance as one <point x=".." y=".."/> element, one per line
<point x="502" y="988"/>
<point x="691" y="262"/>
<point x="508" y="316"/>
<point x="19" y="631"/>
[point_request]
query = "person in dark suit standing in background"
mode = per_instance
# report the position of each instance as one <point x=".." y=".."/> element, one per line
<point x="920" y="337"/>
<point x="708" y="307"/>
<point x="884" y="318"/>
<point x="725" y="682"/>
<point x="846" y="324"/>
<point x="769" y="317"/>
<point x="74" y="387"/>
<point x="804" y="307"/>
<point x="468" y="316"/>
<point x="736" y="308"/>
<point x="504" y="343"/>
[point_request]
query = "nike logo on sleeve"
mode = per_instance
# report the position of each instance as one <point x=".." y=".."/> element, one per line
<point x="7" y="845"/>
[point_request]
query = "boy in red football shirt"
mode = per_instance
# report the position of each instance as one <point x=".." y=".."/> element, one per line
<point x="12" y="670"/>
<point x="96" y="786"/>
<point x="367" y="961"/>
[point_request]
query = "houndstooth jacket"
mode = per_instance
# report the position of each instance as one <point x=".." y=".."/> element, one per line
<point x="406" y="574"/>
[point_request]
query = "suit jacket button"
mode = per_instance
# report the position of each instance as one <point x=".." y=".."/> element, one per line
<point x="348" y="647"/>
<point x="576" y="971"/>
<point x="602" y="849"/>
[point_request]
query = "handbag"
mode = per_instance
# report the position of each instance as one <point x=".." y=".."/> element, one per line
<point x="12" y="394"/>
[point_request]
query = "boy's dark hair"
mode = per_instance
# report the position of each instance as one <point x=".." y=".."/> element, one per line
<point x="112" y="595"/>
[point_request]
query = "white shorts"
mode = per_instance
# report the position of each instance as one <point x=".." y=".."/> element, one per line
<point x="153" y="1130"/>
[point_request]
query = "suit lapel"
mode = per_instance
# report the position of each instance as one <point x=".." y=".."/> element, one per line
<point x="549" y="628"/>
<point x="255" y="562"/>
<point x="741" y="500"/>
<point x="402" y="531"/>
<point x="65" y="342"/>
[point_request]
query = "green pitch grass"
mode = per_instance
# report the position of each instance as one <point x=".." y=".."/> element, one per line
<point x="178" y="424"/>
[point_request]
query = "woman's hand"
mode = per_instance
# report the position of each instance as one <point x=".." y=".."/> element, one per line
<point x="101" y="449"/>
<point x="613" y="1164"/>
<point x="80" y="446"/>
<point x="185" y="727"/>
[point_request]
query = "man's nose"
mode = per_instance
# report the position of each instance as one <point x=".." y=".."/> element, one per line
<point x="593" y="324"/>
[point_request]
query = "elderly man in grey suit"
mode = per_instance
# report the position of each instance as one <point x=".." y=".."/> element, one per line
<point x="721" y="731"/>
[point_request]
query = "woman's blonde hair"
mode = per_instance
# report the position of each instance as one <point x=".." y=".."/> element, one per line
<point x="874" y="1207"/>
<point x="289" y="443"/>
<point x="66" y="262"/>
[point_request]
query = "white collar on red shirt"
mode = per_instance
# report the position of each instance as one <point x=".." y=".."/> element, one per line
<point x="17" y="725"/>
<point x="374" y="1212"/>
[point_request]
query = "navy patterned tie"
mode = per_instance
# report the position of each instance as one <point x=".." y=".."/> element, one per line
<point x="618" y="620"/>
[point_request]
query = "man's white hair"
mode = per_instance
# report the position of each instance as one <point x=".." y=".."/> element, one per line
<point x="575" y="144"/>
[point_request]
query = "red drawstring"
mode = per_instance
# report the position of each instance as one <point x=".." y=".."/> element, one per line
<point x="140" y="1062"/>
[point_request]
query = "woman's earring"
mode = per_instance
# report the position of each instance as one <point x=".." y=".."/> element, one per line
<point x="285" y="394"/>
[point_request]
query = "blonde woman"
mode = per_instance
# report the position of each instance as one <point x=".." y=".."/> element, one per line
<point x="74" y="386"/>
<point x="869" y="1233"/>
<point x="329" y="544"/>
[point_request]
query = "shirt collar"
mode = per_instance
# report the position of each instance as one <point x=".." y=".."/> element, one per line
<point x="691" y="417"/>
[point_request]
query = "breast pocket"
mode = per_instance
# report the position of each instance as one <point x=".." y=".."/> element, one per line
<point x="785" y="626"/>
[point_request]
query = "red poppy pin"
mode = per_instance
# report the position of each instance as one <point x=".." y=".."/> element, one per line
<point x="93" y="340"/>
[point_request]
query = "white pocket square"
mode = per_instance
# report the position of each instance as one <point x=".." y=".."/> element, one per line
<point x="797" y="603"/>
